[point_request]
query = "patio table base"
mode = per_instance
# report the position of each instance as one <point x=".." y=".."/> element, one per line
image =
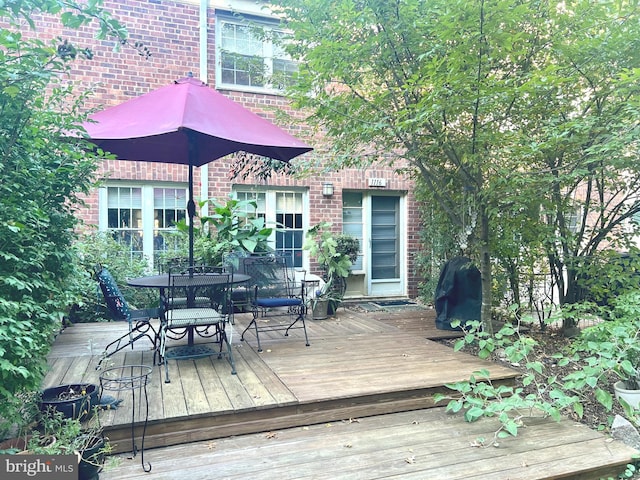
<point x="182" y="352"/>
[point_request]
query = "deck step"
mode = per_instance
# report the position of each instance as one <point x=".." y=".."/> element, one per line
<point x="419" y="444"/>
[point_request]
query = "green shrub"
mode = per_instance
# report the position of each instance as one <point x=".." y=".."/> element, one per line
<point x="100" y="248"/>
<point x="43" y="174"/>
<point x="478" y="397"/>
<point x="230" y="227"/>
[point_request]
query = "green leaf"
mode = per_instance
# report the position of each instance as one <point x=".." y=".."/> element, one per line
<point x="511" y="427"/>
<point x="439" y="397"/>
<point x="605" y="398"/>
<point x="454" y="406"/>
<point x="535" y="366"/>
<point x="473" y="414"/>
<point x="578" y="408"/>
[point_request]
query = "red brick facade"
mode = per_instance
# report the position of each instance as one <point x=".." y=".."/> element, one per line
<point x="170" y="29"/>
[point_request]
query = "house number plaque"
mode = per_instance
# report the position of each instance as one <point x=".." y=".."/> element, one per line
<point x="377" y="182"/>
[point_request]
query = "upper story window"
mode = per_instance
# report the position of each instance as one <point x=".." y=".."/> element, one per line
<point x="250" y="56"/>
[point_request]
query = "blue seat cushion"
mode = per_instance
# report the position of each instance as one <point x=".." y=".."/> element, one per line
<point x="278" y="302"/>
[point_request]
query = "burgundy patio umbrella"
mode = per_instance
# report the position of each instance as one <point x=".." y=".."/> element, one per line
<point x="189" y="123"/>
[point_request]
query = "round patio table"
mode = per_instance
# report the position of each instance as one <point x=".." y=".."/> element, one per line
<point x="162" y="281"/>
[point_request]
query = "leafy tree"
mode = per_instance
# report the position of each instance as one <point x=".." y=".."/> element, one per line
<point x="501" y="109"/>
<point x="41" y="175"/>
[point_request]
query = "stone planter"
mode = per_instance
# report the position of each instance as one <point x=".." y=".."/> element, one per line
<point x="632" y="397"/>
<point x="320" y="308"/>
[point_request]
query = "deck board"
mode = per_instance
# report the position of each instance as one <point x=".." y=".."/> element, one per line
<point x="330" y="370"/>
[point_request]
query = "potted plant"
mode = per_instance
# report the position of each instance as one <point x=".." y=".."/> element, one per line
<point x="48" y="424"/>
<point x="73" y="400"/>
<point x="323" y="245"/>
<point x="611" y="351"/>
<point x="91" y="447"/>
<point x="72" y="437"/>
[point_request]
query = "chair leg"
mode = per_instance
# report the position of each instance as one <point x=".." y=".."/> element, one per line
<point x="161" y="353"/>
<point x="253" y="323"/>
<point x="225" y="341"/>
<point x="299" y="318"/>
<point x="166" y="371"/>
<point x="230" y="335"/>
<point x="141" y="330"/>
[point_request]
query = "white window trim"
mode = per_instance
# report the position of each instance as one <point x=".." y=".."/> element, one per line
<point x="268" y="24"/>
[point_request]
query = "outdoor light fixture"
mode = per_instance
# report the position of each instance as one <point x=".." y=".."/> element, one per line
<point x="327" y="189"/>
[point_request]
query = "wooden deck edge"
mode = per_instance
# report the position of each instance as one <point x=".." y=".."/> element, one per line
<point x="604" y="472"/>
<point x="167" y="433"/>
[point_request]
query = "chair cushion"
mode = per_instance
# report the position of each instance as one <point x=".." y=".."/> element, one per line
<point x="186" y="317"/>
<point x="278" y="302"/>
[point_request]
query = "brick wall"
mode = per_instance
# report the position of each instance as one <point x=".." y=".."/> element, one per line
<point x="170" y="29"/>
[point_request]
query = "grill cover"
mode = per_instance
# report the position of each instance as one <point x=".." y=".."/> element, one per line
<point x="458" y="294"/>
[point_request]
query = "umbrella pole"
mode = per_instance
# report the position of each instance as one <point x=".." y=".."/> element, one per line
<point x="191" y="210"/>
<point x="191" y="205"/>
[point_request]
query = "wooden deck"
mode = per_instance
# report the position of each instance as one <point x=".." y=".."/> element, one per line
<point x="360" y="365"/>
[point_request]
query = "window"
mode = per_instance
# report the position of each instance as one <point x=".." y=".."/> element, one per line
<point x="289" y="232"/>
<point x="284" y="211"/>
<point x="143" y="217"/>
<point x="259" y="198"/>
<point x="250" y="56"/>
<point x="352" y="220"/>
<point x="124" y="213"/>
<point x="169" y="207"/>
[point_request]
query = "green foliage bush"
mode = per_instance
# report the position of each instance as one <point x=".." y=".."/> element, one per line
<point x="478" y="397"/>
<point x="608" y="350"/>
<point x="39" y="179"/>
<point x="100" y="248"/>
<point x="42" y="173"/>
<point x="608" y="274"/>
<point x="348" y="245"/>
<point x="230" y="227"/>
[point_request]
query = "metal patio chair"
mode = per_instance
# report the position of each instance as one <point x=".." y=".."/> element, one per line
<point x="119" y="310"/>
<point x="277" y="301"/>
<point x="198" y="304"/>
